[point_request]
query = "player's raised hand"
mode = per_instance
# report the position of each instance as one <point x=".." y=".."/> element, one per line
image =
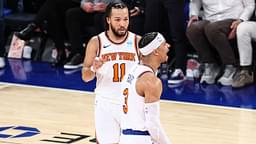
<point x="97" y="63"/>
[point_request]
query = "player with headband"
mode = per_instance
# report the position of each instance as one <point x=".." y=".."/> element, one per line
<point x="142" y="90"/>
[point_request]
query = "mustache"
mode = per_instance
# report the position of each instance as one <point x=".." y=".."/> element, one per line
<point x="122" y="28"/>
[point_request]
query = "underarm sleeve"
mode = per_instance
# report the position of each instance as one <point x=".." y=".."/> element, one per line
<point x="153" y="124"/>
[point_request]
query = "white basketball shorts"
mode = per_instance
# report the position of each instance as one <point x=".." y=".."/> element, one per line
<point x="107" y="121"/>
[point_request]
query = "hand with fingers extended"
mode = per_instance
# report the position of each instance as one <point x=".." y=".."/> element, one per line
<point x="134" y="12"/>
<point x="233" y="27"/>
<point x="88" y="7"/>
<point x="100" y="7"/>
<point x="191" y="20"/>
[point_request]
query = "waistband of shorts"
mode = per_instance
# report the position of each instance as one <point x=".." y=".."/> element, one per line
<point x="108" y="99"/>
<point x="134" y="132"/>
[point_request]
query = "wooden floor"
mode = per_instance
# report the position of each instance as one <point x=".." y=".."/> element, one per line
<point x="68" y="116"/>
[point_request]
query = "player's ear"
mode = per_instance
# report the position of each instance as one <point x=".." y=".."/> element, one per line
<point x="108" y="20"/>
<point x="156" y="52"/>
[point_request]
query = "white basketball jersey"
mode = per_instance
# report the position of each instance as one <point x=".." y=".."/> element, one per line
<point x="134" y="116"/>
<point x="118" y="57"/>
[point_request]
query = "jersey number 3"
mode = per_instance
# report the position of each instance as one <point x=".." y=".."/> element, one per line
<point x="118" y="69"/>
<point x="125" y="106"/>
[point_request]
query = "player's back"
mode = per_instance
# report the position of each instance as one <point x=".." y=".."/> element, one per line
<point x="134" y="116"/>
<point x="133" y="122"/>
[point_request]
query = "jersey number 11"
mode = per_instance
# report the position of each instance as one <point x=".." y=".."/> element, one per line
<point x="118" y="77"/>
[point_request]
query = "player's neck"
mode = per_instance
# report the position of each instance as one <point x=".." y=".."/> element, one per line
<point x="152" y="64"/>
<point x="116" y="39"/>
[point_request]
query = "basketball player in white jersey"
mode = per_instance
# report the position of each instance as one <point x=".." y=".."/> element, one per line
<point x="142" y="90"/>
<point x="108" y="56"/>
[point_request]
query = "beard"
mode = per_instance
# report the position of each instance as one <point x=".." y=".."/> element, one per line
<point x="118" y="32"/>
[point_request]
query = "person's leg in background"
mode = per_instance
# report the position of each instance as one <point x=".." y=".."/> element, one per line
<point x="217" y="34"/>
<point x="48" y="7"/>
<point x="152" y="15"/>
<point x="137" y="24"/>
<point x="175" y="11"/>
<point x="56" y="32"/>
<point x="52" y="13"/>
<point x="197" y="38"/>
<point x="2" y="48"/>
<point x="155" y="19"/>
<point x="99" y="22"/>
<point x="245" y="35"/>
<point x="57" y="29"/>
<point x="76" y="20"/>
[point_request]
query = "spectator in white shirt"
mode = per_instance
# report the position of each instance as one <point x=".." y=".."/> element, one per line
<point x="211" y="36"/>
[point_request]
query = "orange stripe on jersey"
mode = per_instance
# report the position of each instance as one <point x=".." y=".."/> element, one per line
<point x="99" y="50"/>
<point x="136" y="46"/>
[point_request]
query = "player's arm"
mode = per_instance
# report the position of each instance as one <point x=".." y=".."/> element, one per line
<point x="88" y="73"/>
<point x="151" y="87"/>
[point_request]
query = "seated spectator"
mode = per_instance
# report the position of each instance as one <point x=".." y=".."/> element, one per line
<point x="52" y="11"/>
<point x="245" y="35"/>
<point x="212" y="34"/>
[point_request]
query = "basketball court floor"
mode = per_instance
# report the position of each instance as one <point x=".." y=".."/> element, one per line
<point x="44" y="105"/>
